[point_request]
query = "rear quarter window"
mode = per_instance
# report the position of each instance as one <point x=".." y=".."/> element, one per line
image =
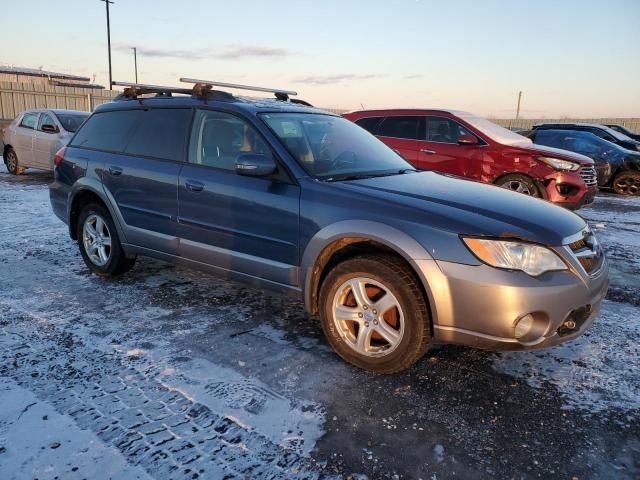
<point x="109" y="131"/>
<point x="370" y="124"/>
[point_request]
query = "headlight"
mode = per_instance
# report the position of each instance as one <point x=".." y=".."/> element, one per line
<point x="527" y="257"/>
<point x="559" y="164"/>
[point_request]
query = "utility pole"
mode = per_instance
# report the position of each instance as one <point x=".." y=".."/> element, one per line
<point x="518" y="108"/>
<point x="107" y="2"/>
<point x="135" y="63"/>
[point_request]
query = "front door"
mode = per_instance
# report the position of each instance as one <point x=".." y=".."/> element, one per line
<point x="442" y="152"/>
<point x="45" y="144"/>
<point x="240" y="224"/>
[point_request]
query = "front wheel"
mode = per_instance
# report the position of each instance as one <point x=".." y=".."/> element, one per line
<point x="627" y="183"/>
<point x="517" y="182"/>
<point x="99" y="243"/>
<point x="12" y="162"/>
<point x="374" y="315"/>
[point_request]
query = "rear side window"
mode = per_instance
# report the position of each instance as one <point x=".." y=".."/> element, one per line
<point x="550" y="138"/>
<point x="445" y="130"/>
<point x="161" y="133"/>
<point x="402" y="127"/>
<point x="370" y="124"/>
<point x="45" y="119"/>
<point x="108" y="131"/>
<point x="28" y="121"/>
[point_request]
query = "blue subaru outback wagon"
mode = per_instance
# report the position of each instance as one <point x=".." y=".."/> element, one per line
<point x="278" y="194"/>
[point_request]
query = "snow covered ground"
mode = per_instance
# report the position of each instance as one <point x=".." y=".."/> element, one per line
<point x="170" y="373"/>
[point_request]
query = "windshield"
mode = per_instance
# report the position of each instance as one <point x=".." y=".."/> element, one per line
<point x="333" y="148"/>
<point x="71" y="121"/>
<point x="493" y="131"/>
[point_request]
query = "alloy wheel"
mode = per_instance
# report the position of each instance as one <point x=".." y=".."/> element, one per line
<point x="517" y="186"/>
<point x="96" y="239"/>
<point x="368" y="317"/>
<point x="12" y="161"/>
<point x="628" y="185"/>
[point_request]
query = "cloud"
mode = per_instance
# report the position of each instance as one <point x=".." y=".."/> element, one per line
<point x="411" y="77"/>
<point x="228" y="52"/>
<point x="332" y="79"/>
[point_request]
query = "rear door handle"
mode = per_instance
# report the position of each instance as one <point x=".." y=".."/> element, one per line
<point x="429" y="152"/>
<point x="115" y="171"/>
<point x="194" y="186"/>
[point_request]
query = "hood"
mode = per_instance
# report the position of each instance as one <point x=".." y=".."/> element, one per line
<point x="471" y="208"/>
<point x="536" y="149"/>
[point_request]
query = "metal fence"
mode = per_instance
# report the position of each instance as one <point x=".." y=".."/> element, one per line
<point x="16" y="97"/>
<point x="632" y="124"/>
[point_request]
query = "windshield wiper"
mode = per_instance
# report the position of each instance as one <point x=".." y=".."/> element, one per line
<point x="362" y="176"/>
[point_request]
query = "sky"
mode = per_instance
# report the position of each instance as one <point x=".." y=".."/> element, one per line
<point x="569" y="58"/>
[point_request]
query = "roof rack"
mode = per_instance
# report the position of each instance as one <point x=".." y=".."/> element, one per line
<point x="133" y="90"/>
<point x="202" y="86"/>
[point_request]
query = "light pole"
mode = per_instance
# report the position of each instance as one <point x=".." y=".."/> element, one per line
<point x="518" y="107"/>
<point x="135" y="63"/>
<point x="107" y="2"/>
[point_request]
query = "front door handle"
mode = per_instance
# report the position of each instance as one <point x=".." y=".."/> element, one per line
<point x="115" y="171"/>
<point x="428" y="152"/>
<point x="194" y="186"/>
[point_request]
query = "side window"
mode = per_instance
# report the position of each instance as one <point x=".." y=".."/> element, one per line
<point x="549" y="138"/>
<point x="161" y="133"/>
<point x="401" y="127"/>
<point x="28" y="121"/>
<point x="445" y="130"/>
<point x="45" y="119"/>
<point x="108" y="131"/>
<point x="582" y="144"/>
<point x="218" y="139"/>
<point x="603" y="134"/>
<point x="370" y="124"/>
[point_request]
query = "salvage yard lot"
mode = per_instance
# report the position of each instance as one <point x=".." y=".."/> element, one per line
<point x="167" y="372"/>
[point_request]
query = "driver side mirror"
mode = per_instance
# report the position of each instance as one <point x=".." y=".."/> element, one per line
<point x="468" y="140"/>
<point x="48" y="128"/>
<point x="254" y="165"/>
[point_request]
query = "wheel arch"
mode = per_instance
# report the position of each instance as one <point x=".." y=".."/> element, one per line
<point x="85" y="193"/>
<point x="347" y="239"/>
<point x="542" y="188"/>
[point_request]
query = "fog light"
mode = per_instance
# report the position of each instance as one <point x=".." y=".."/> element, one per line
<point x="524" y="326"/>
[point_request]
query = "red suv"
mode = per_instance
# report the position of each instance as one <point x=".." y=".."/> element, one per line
<point x="462" y="144"/>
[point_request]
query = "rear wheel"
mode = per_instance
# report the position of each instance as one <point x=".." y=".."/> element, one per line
<point x="627" y="183"/>
<point x="374" y="314"/>
<point x="517" y="182"/>
<point x="99" y="243"/>
<point x="12" y="162"/>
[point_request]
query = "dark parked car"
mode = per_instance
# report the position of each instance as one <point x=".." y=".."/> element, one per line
<point x="623" y="130"/>
<point x="465" y="145"/>
<point x="602" y="131"/>
<point x="289" y="197"/>
<point x="617" y="167"/>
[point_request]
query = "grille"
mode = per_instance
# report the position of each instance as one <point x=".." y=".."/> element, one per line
<point x="588" y="174"/>
<point x="588" y="252"/>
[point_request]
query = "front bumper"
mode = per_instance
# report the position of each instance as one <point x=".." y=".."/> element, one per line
<point x="568" y="190"/>
<point x="479" y="306"/>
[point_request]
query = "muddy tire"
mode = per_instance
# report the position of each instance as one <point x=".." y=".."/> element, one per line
<point x="374" y="314"/>
<point x="627" y="183"/>
<point x="99" y="243"/>
<point x="13" y="165"/>
<point x="517" y="182"/>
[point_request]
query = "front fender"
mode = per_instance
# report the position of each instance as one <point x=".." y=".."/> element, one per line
<point x="401" y="243"/>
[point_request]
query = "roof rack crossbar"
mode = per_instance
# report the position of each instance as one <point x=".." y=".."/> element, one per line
<point x="207" y="84"/>
<point x="133" y="90"/>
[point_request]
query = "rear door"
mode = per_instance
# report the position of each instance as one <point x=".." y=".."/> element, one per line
<point x="23" y="139"/>
<point x="143" y="151"/>
<point x="441" y="152"/>
<point x="402" y="133"/>
<point x="236" y="223"/>
<point x="45" y="144"/>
